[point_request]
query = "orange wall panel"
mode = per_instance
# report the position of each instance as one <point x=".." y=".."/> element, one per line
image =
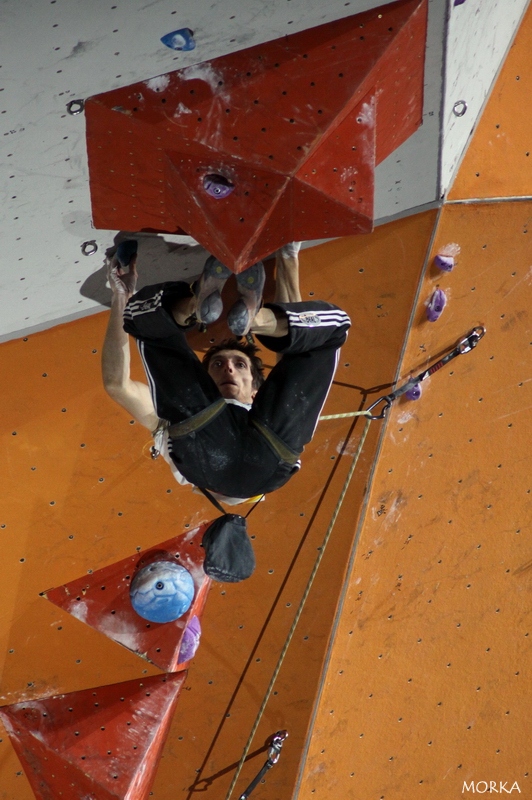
<point x="111" y="498"/>
<point x="498" y="161"/>
<point x="427" y="683"/>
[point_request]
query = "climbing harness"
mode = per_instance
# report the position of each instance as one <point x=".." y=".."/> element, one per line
<point x="274" y="753"/>
<point x="465" y="345"/>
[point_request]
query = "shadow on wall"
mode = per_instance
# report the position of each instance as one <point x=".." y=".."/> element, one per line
<point x="158" y="261"/>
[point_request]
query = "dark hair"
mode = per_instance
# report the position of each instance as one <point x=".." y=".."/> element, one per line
<point x="250" y="350"/>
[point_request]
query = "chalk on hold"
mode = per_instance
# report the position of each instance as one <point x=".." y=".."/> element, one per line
<point x="436" y="305"/>
<point x="217" y="186"/>
<point x="444" y="262"/>
<point x="183" y="39"/>
<point x="414" y="393"/>
<point x="162" y="591"/>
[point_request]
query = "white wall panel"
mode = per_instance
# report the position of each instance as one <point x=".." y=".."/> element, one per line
<point x="408" y="178"/>
<point x="479" y="34"/>
<point x="53" y="51"/>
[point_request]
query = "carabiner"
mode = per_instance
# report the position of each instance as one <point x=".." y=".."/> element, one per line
<point x="275" y="748"/>
<point x="387" y="399"/>
<point x="273" y="757"/>
<point x="470" y="341"/>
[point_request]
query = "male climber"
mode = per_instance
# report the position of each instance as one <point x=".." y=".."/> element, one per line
<point x="219" y="424"/>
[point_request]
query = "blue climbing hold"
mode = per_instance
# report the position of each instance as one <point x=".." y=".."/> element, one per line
<point x="436" y="305"/>
<point x="183" y="39"/>
<point x="217" y="186"/>
<point x="162" y="591"/>
<point x="414" y="393"/>
<point x="125" y="251"/>
<point x="445" y="263"/>
<point x="190" y="641"/>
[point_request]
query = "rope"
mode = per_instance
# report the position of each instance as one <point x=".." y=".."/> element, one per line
<point x="349" y="414"/>
<point x="300" y="608"/>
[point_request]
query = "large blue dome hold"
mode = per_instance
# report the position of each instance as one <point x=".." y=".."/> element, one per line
<point x="162" y="591"/>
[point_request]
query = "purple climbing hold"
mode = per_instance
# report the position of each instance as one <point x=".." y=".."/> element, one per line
<point x="458" y="2"/>
<point x="183" y="39"/>
<point x="436" y="305"/>
<point x="217" y="186"/>
<point x="414" y="393"/>
<point x="190" y="641"/>
<point x="445" y="263"/>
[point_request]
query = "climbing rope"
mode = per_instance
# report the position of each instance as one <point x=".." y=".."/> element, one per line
<point x="465" y="345"/>
<point x="347" y="414"/>
<point x="300" y="608"/>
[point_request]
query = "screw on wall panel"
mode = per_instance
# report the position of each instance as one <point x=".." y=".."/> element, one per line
<point x="459" y="108"/>
<point x="89" y="248"/>
<point x="75" y="107"/>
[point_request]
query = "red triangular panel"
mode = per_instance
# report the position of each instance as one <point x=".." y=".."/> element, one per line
<point x="101" y="600"/>
<point x="251" y="202"/>
<point x="263" y="110"/>
<point x="97" y="744"/>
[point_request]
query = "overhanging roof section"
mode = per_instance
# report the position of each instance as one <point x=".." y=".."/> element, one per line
<point x="294" y="125"/>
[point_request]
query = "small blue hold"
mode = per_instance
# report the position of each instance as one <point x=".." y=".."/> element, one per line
<point x="183" y="39"/>
<point x="414" y="393"/>
<point x="162" y="591"/>
<point x="436" y="305"/>
<point x="444" y="262"/>
<point x="190" y="641"/>
<point x="217" y="186"/>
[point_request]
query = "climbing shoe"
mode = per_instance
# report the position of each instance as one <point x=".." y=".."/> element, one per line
<point x="208" y="290"/>
<point x="250" y="284"/>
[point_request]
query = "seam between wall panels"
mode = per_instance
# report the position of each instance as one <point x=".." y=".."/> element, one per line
<point x="362" y="517"/>
<point x="487" y="200"/>
<point x="439" y="178"/>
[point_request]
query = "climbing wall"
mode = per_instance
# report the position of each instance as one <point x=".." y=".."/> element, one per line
<point x="425" y="691"/>
<point x="84" y="494"/>
<point x="271" y="144"/>
<point x="407" y="672"/>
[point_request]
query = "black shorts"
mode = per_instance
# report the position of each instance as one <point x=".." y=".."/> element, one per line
<point x="236" y="453"/>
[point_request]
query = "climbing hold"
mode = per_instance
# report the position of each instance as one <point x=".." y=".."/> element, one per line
<point x="414" y="393"/>
<point x="183" y="39"/>
<point x="125" y="251"/>
<point x="190" y="641"/>
<point x="444" y="262"/>
<point x="162" y="591"/>
<point x="217" y="186"/>
<point x="436" y="305"/>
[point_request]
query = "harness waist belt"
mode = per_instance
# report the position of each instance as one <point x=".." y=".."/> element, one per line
<point x="198" y="421"/>
<point x="278" y="446"/>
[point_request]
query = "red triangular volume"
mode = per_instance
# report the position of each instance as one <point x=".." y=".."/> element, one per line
<point x="255" y="118"/>
<point x="97" y="744"/>
<point x="101" y="600"/>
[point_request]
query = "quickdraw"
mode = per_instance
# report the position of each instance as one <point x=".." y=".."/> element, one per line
<point x="274" y="753"/>
<point x="465" y="345"/>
